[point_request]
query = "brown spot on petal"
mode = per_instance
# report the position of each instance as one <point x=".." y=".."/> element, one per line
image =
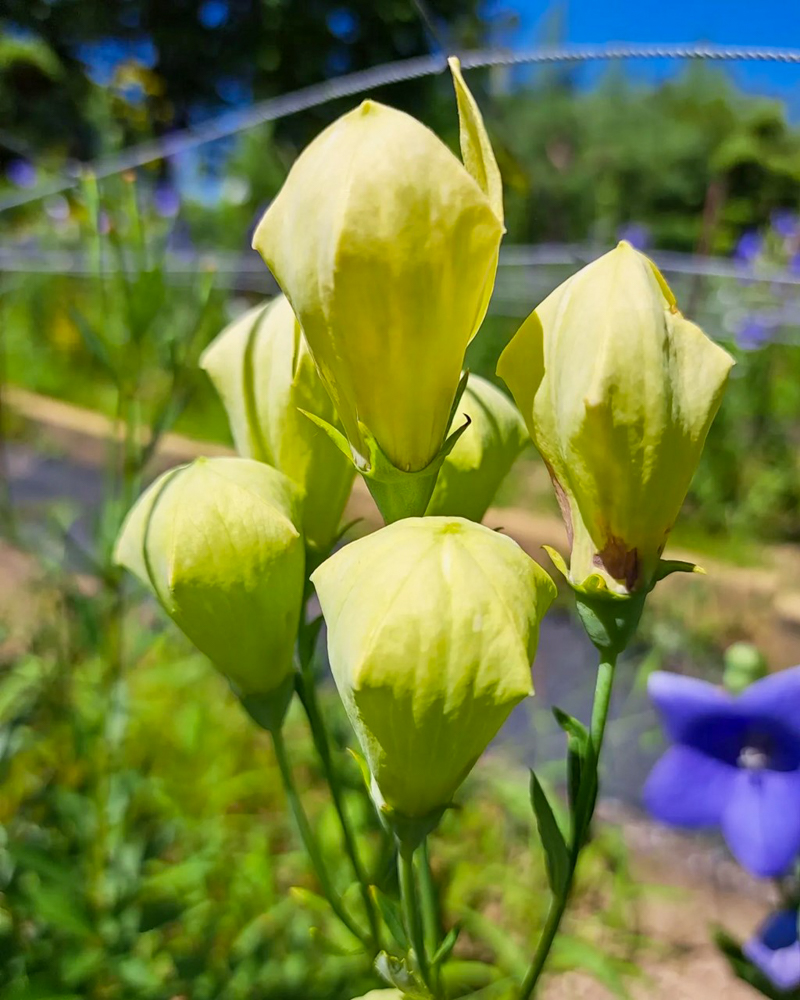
<point x="563" y="502"/>
<point x="619" y="562"/>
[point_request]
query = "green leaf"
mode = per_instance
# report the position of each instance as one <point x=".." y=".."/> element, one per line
<point x="158" y="912"/>
<point x="58" y="906"/>
<point x="94" y="342"/>
<point x="509" y="956"/>
<point x="390" y="912"/>
<point x="466" y="976"/>
<point x="570" y="952"/>
<point x="577" y="749"/>
<point x="556" y="853"/>
<point x="442" y="953"/>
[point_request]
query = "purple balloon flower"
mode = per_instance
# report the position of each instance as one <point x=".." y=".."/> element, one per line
<point x="735" y="764"/>
<point x="785" y="223"/>
<point x="636" y="233"/>
<point x="753" y="333"/>
<point x="775" y="950"/>
<point x="748" y="247"/>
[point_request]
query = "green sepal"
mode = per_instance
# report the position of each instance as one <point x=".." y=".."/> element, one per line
<point x="408" y="831"/>
<point x="666" y="567"/>
<point x="396" y="973"/>
<point x="396" y="492"/>
<point x="268" y="710"/>
<point x="556" y="852"/>
<point x="610" y="619"/>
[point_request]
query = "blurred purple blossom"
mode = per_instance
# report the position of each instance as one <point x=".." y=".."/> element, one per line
<point x="22" y="173"/>
<point x="338" y="61"/>
<point x="343" y="24"/>
<point x="734" y="764"/>
<point x="775" y="950"/>
<point x="749" y="246"/>
<point x="636" y="233"/>
<point x="213" y="13"/>
<point x="785" y="223"/>
<point x="166" y="200"/>
<point x="753" y="333"/>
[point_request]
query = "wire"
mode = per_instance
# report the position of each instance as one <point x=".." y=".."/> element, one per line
<point x="233" y="122"/>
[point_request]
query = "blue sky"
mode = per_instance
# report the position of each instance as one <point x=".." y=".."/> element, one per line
<point x="733" y="22"/>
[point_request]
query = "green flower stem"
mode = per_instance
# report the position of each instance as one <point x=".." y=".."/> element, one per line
<point x="430" y="908"/>
<point x="310" y="841"/>
<point x="306" y="690"/>
<point x="411" y="913"/>
<point x="584" y="810"/>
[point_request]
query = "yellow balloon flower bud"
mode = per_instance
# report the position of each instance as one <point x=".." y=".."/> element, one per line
<point x="483" y="455"/>
<point x="618" y="391"/>
<point x="217" y="542"/>
<point x="261" y="367"/>
<point x="432" y="626"/>
<point x="386" y="246"/>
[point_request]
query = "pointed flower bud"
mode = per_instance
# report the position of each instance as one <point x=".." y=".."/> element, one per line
<point x="217" y="543"/>
<point x="386" y="246"/>
<point x="618" y="391"/>
<point x="261" y="367"/>
<point x="482" y="457"/>
<point x="432" y="626"/>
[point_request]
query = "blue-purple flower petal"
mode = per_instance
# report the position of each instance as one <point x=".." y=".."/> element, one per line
<point x="685" y="703"/>
<point x="761" y="821"/>
<point x="689" y="788"/>
<point x="776" y="697"/>
<point x="775" y="950"/>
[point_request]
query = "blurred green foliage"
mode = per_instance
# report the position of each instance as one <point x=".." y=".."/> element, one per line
<point x="173" y="64"/>
<point x="692" y="160"/>
<point x="145" y="850"/>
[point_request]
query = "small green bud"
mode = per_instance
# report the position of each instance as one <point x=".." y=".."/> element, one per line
<point x="264" y="373"/>
<point x="217" y="542"/>
<point x="483" y="455"/>
<point x="432" y="626"/>
<point x="744" y="664"/>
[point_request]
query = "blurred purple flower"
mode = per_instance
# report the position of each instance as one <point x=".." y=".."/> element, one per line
<point x="735" y="764"/>
<point x="775" y="950"/>
<point x="753" y="333"/>
<point x="343" y="24"/>
<point x="213" y="13"/>
<point x="636" y="233"/>
<point x="22" y="173"/>
<point x="338" y="61"/>
<point x="785" y="223"/>
<point x="748" y="247"/>
<point x="794" y="265"/>
<point x="166" y="201"/>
